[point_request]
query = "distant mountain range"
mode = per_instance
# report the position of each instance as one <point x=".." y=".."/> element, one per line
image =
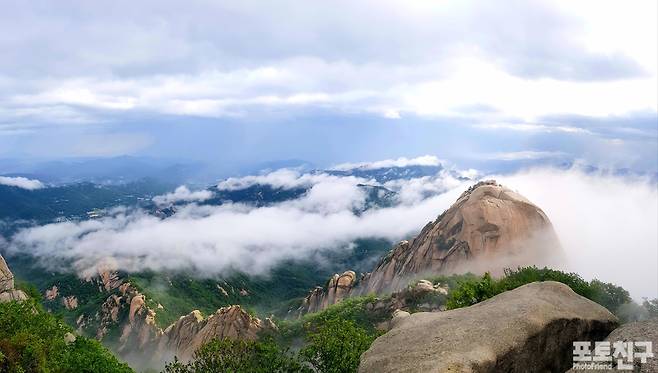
<point x="79" y="200"/>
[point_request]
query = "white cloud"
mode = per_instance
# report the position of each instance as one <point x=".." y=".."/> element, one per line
<point x="413" y="191"/>
<point x="183" y="194"/>
<point x="21" y="182"/>
<point x="524" y="155"/>
<point x="211" y="239"/>
<point x="532" y="127"/>
<point x="286" y="178"/>
<point x="426" y="160"/>
<point x="426" y="59"/>
<point x="607" y="224"/>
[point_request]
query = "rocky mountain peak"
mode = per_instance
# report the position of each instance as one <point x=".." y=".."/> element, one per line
<point x="192" y="331"/>
<point x="490" y="227"/>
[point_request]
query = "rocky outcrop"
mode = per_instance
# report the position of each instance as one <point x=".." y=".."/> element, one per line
<point x="7" y="291"/>
<point x="140" y="341"/>
<point x="528" y="329"/>
<point x="135" y="335"/>
<point x="51" y="293"/>
<point x="337" y="288"/>
<point x="109" y="278"/>
<point x="488" y="228"/>
<point x="185" y="336"/>
<point x="422" y="295"/>
<point x="6" y="277"/>
<point x="70" y="302"/>
<point x="639" y="331"/>
<point x="127" y="311"/>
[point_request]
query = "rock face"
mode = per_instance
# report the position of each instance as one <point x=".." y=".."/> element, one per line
<point x="528" y="329"/>
<point x="70" y="302"/>
<point x="7" y="290"/>
<point x="640" y="331"/>
<point x="6" y="277"/>
<point x="140" y="341"/>
<point x="191" y="331"/>
<point x="338" y="287"/>
<point x="488" y="228"/>
<point x="51" y="293"/>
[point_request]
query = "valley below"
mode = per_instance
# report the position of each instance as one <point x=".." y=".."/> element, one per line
<point x="477" y="288"/>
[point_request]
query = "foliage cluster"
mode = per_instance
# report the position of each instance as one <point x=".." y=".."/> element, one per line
<point x="333" y="339"/>
<point x="32" y="340"/>
<point x="471" y="290"/>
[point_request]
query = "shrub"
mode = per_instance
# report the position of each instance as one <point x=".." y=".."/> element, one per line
<point x="471" y="290"/>
<point x="336" y="346"/>
<point x="651" y="306"/>
<point x="512" y="279"/>
<point x="609" y="295"/>
<point x="32" y="340"/>
<point x="354" y="309"/>
<point x="239" y="356"/>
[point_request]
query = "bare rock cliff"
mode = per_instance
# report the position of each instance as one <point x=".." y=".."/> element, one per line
<point x="488" y="228"/>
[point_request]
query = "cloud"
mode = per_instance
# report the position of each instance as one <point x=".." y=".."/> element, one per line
<point x="21" y="182"/>
<point x="96" y="63"/>
<point x="286" y="178"/>
<point x="183" y="194"/>
<point x="325" y="189"/>
<point x="524" y="155"/>
<point x="413" y="191"/>
<point x="426" y="160"/>
<point x="606" y="223"/>
<point x="532" y="127"/>
<point x="215" y="239"/>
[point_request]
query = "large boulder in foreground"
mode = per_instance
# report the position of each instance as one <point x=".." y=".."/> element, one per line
<point x="528" y="329"/>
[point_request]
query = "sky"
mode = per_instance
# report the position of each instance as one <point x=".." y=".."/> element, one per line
<point x="237" y="83"/>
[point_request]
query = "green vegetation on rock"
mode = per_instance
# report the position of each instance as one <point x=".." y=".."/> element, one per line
<point x="335" y="346"/>
<point x="239" y="356"/>
<point x="32" y="340"/>
<point x="471" y="289"/>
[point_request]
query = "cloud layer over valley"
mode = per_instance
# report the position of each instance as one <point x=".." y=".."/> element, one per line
<point x="606" y="224"/>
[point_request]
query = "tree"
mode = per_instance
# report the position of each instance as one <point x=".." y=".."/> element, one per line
<point x="609" y="295"/>
<point x="472" y="291"/>
<point x="651" y="306"/>
<point x="239" y="356"/>
<point x="336" y="346"/>
<point x="32" y="340"/>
